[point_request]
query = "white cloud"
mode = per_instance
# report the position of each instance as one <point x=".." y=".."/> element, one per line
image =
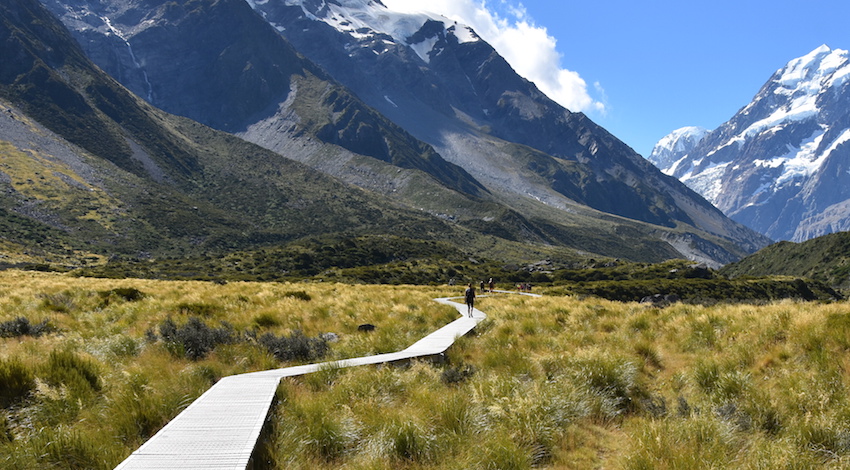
<point x="528" y="47"/>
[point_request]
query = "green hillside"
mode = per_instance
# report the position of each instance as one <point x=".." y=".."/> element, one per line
<point x="825" y="259"/>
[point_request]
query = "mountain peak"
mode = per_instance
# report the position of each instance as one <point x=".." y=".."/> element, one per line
<point x="675" y="145"/>
<point x="363" y="19"/>
<point x="811" y="72"/>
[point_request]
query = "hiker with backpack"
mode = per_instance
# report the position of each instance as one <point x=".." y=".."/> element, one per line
<point x="469" y="295"/>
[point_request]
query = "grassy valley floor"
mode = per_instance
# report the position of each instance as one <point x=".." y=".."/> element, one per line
<point x="90" y="368"/>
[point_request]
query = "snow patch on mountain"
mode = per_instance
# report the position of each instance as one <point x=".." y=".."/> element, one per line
<point x="464" y="34"/>
<point x="799" y="162"/>
<point x="422" y="48"/>
<point x="708" y="181"/>
<point x="362" y="19"/>
<point x="678" y="139"/>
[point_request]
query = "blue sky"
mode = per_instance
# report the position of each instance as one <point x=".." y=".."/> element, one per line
<point x="642" y="69"/>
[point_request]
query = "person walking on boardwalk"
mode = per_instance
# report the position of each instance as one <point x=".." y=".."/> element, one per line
<point x="491" y="284"/>
<point x="469" y="295"/>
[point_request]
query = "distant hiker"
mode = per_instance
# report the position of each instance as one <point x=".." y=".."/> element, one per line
<point x="482" y="287"/>
<point x="492" y="284"/>
<point x="469" y="295"/>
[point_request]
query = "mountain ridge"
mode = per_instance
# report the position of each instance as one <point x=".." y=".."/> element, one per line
<point x="169" y="186"/>
<point x="491" y="108"/>
<point x="314" y="112"/>
<point x="776" y="164"/>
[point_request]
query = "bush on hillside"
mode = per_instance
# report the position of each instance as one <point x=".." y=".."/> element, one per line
<point x="194" y="339"/>
<point x="128" y="294"/>
<point x="707" y="290"/>
<point x="296" y="346"/>
<point x="21" y="326"/>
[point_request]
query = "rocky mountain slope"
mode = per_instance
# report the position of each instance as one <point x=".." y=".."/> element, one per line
<point x="88" y="169"/>
<point x="779" y="165"/>
<point x="448" y="87"/>
<point x="490" y="152"/>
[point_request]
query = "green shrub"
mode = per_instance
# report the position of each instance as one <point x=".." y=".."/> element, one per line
<point x="698" y="442"/>
<point x="6" y="435"/>
<point x="21" y="326"/>
<point x="824" y="435"/>
<point x="409" y="441"/>
<point x="704" y="332"/>
<point x="74" y="451"/>
<point x="326" y="435"/>
<point x="138" y="410"/>
<point x="194" y="339"/>
<point x="298" y="294"/>
<point x="294" y="347"/>
<point x="838" y="329"/>
<point x="613" y="380"/>
<point x="16" y="381"/>
<point x="649" y="353"/>
<point x="123" y="346"/>
<point x="325" y="377"/>
<point x="66" y="368"/>
<point x="128" y="294"/>
<point x="504" y="454"/>
<point x="457" y="375"/>
<point x="266" y="320"/>
<point x="459" y="415"/>
<point x="707" y="376"/>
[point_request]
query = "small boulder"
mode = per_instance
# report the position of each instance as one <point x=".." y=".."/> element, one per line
<point x="329" y="337"/>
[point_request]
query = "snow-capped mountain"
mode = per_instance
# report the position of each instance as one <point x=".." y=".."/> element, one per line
<point x="780" y="165"/>
<point x="675" y="145"/>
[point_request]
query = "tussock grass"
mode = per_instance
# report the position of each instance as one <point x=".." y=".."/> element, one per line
<point x="103" y="377"/>
<point x="562" y="382"/>
<point x="552" y="382"/>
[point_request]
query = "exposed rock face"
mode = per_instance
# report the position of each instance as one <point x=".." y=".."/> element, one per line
<point x="780" y="164"/>
<point x="457" y="111"/>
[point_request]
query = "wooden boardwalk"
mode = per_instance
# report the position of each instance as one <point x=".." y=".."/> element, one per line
<point x="221" y="428"/>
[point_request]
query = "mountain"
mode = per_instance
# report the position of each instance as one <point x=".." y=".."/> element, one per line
<point x="779" y="165"/>
<point x="466" y="140"/>
<point x="489" y="150"/>
<point x="448" y="87"/>
<point x="825" y="258"/>
<point x="672" y="147"/>
<point x="90" y="170"/>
